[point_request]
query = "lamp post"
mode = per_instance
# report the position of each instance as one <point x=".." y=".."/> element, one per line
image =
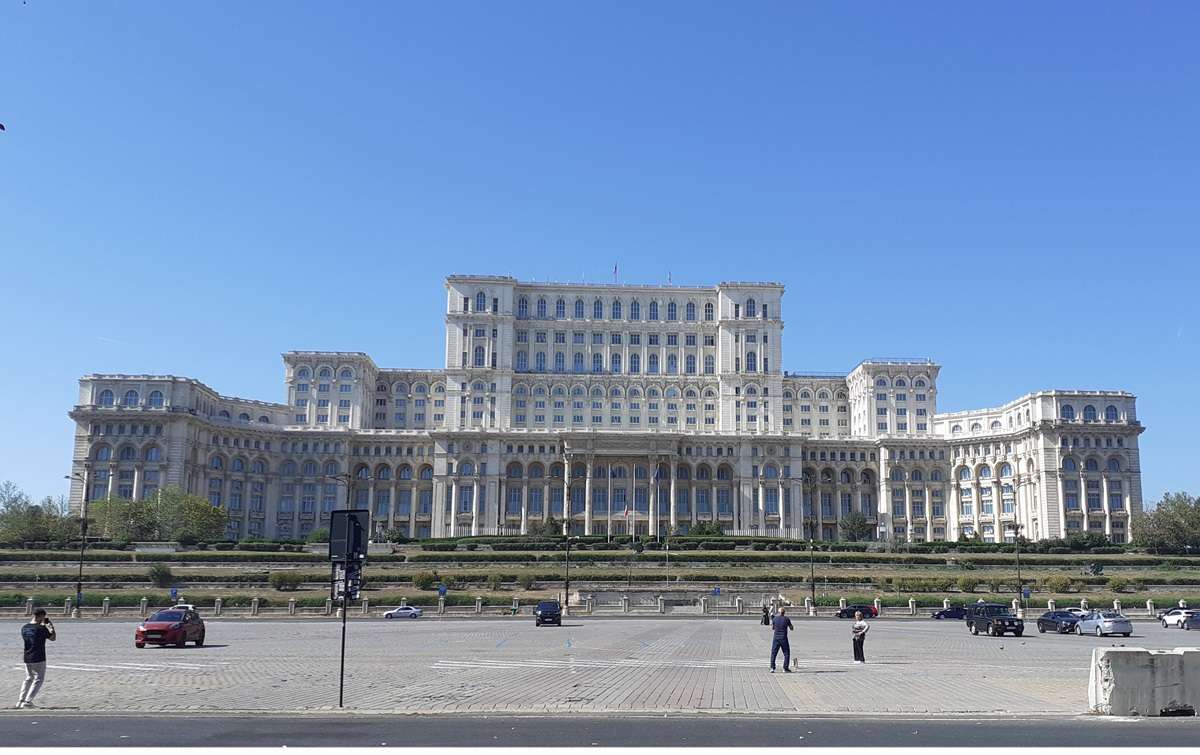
<point x="567" y="577"/>
<point x="1016" y="530"/>
<point x="812" y="574"/>
<point x="83" y="522"/>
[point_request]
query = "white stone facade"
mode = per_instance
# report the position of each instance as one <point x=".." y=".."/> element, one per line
<point x="664" y="406"/>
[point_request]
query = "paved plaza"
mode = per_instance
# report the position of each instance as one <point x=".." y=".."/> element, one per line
<point x="588" y="666"/>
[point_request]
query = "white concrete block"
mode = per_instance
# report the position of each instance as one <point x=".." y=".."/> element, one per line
<point x="1139" y="682"/>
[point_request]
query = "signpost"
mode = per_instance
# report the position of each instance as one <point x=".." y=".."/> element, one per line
<point x="348" y="530"/>
<point x="717" y="601"/>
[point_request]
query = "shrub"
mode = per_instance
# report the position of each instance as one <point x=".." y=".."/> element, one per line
<point x="318" y="536"/>
<point x="495" y="582"/>
<point x="1059" y="551"/>
<point x="526" y="581"/>
<point x="439" y="546"/>
<point x="259" y="547"/>
<point x="424" y="580"/>
<point x="1057" y="584"/>
<point x="286" y="581"/>
<point x="967" y="584"/>
<point x="470" y="546"/>
<point x="160" y="575"/>
<point x="995" y="584"/>
<point x="1118" y="584"/>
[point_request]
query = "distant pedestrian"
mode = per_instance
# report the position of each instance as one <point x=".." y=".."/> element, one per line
<point x="779" y="641"/>
<point x="766" y="619"/>
<point x="858" y="635"/>
<point x="35" y="634"/>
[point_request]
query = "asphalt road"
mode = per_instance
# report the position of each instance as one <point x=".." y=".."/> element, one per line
<point x="67" y="730"/>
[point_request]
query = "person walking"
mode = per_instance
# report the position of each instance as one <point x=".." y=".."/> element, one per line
<point x="766" y="619"/>
<point x="858" y="634"/>
<point x="35" y="634"/>
<point x="781" y="625"/>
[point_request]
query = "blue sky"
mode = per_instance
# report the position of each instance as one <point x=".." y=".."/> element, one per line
<point x="194" y="188"/>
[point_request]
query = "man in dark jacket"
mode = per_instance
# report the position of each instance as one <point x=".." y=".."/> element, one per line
<point x="34" y="634"/>
<point x="782" y="625"/>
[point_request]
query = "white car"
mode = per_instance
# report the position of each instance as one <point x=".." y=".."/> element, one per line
<point x="403" y="612"/>
<point x="1079" y="613"/>
<point x="1175" y="617"/>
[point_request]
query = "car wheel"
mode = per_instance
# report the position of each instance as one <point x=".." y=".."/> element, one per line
<point x="200" y="640"/>
<point x="1099" y="631"/>
<point x="1041" y="629"/>
<point x="181" y="642"/>
<point x="1164" y="623"/>
<point x="973" y="629"/>
<point x="139" y="644"/>
<point x="388" y="616"/>
<point x="413" y="615"/>
<point x="1018" y="633"/>
<point x="1078" y="630"/>
<point x="1125" y="634"/>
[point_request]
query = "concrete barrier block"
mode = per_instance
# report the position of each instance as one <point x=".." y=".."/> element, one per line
<point x="1139" y="682"/>
<point x="1149" y="607"/>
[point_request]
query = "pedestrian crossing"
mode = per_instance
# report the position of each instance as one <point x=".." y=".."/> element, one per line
<point x="131" y="667"/>
<point x="576" y="664"/>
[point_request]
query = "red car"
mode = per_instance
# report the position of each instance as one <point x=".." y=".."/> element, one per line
<point x="174" y="626"/>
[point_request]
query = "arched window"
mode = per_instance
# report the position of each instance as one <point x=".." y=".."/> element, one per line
<point x="1114" y="464"/>
<point x="156" y="398"/>
<point x="897" y="475"/>
<point x="383" y="473"/>
<point x="1069" y="465"/>
<point x="258" y="467"/>
<point x="479" y="356"/>
<point x="303" y="373"/>
<point x="653" y="310"/>
<point x="1089" y="413"/>
<point x="131" y="398"/>
<point x="919" y="383"/>
<point x="936" y="475"/>
<point x="635" y="310"/>
<point x="597" y="310"/>
<point x="426" y="472"/>
<point x="1068" y="412"/>
<point x="404" y="473"/>
<point x="560" y="309"/>
<point x="1006" y="470"/>
<point x="964" y="473"/>
<point x="579" y="309"/>
<point x="153" y="453"/>
<point x="708" y="312"/>
<point x="652" y="364"/>
<point x="1091" y="465"/>
<point x="310" y="469"/>
<point x="264" y="419"/>
<point x="103" y="453"/>
<point x="466" y="469"/>
<point x="985" y="472"/>
<point x="217" y="463"/>
<point x="751" y="361"/>
<point x="326" y="372"/>
<point x="244" y="417"/>
<point x="330" y="468"/>
<point x="690" y="311"/>
<point x="541" y="309"/>
<point x="560" y="362"/>
<point x="597" y="363"/>
<point x="672" y="364"/>
<point x="710" y="365"/>
<point x="616" y="309"/>
<point x="480" y="302"/>
<point x="917" y="475"/>
<point x="881" y="383"/>
<point x="239" y="465"/>
<point x="223" y="414"/>
<point x="128" y="453"/>
<point x="540" y="362"/>
<point x="288" y="469"/>
<point x="690" y="364"/>
<point x="1110" y="414"/>
<point x="900" y="383"/>
<point x="635" y="363"/>
<point x="672" y="311"/>
<point x="751" y="310"/>
<point x="106" y="398"/>
<point x="522" y="308"/>
<point x="347" y="375"/>
<point x="615" y="363"/>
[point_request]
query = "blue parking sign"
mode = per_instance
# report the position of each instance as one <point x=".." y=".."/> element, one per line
<point x="1027" y="592"/>
<point x="174" y="593"/>
<point x="716" y="591"/>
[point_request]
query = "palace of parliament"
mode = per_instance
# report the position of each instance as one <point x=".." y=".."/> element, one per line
<point x="616" y="409"/>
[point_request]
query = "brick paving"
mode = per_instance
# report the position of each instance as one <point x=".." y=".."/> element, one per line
<point x="631" y="665"/>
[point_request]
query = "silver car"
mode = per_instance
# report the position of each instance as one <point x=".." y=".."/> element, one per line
<point x="403" y="612"/>
<point x="1101" y="623"/>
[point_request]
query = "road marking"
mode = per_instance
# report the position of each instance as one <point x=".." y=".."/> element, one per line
<point x="551" y="663"/>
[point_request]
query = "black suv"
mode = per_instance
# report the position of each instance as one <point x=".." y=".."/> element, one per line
<point x="548" y="612"/>
<point x="993" y="619"/>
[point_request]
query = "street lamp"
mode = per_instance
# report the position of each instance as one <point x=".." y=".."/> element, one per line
<point x="812" y="575"/>
<point x="1016" y="530"/>
<point x="567" y="577"/>
<point x="83" y="522"/>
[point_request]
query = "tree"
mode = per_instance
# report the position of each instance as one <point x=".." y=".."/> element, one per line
<point x="856" y="527"/>
<point x="22" y="520"/>
<point x="1173" y="525"/>
<point x="706" y="529"/>
<point x="170" y="514"/>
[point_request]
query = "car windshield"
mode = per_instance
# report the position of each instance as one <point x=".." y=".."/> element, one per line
<point x="1111" y="615"/>
<point x="167" y="616"/>
<point x="547" y="606"/>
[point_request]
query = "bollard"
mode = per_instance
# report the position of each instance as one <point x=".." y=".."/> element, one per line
<point x="1182" y="603"/>
<point x="1016" y="606"/>
<point x="105" y="606"/>
<point x="291" y="606"/>
<point x="145" y="604"/>
<point x="366" y="606"/>
<point x="1117" y="605"/>
<point x="478" y="604"/>
<point x="878" y="607"/>
<point x="739" y="606"/>
<point x="254" y="606"/>
<point x="218" y="604"/>
<point x="1051" y="604"/>
<point x="945" y="603"/>
<point x="404" y="602"/>
<point x="808" y="607"/>
<point x="516" y="606"/>
<point x="340" y="612"/>
<point x="328" y="606"/>
<point x="67" y="607"/>
<point x="441" y="604"/>
<point x="912" y="607"/>
<point x="29" y="606"/>
<point x="624" y="604"/>
<point x="841" y="603"/>
<point x="662" y="605"/>
<point x="1083" y="603"/>
<point x="1149" y="607"/>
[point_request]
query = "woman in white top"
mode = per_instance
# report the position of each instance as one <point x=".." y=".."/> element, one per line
<point x="858" y="633"/>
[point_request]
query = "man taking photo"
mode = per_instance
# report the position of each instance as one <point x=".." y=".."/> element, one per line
<point x="35" y="634"/>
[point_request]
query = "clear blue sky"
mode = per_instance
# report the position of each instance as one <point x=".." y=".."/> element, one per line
<point x="193" y="188"/>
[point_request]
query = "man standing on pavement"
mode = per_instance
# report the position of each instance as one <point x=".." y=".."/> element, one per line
<point x="858" y="635"/>
<point x="782" y="625"/>
<point x="35" y="634"/>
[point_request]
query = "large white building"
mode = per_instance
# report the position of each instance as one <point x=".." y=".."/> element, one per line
<point x="615" y="408"/>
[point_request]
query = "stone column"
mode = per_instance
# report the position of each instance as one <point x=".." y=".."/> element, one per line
<point x="712" y="501"/>
<point x="545" y="501"/>
<point x="137" y="483"/>
<point x="653" y="518"/>
<point x="674" y="513"/>
<point x="782" y="516"/>
<point x="395" y="500"/>
<point x="566" y="507"/>
<point x="908" y="513"/>
<point x="760" y="504"/>
<point x="524" y="507"/>
<point x="608" y="517"/>
<point x="691" y="488"/>
<point x="587" y="498"/>
<point x="453" y="505"/>
<point x="929" y="513"/>
<point x="1104" y="506"/>
<point x="112" y="481"/>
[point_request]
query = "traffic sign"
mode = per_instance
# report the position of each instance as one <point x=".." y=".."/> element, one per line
<point x="1027" y="592"/>
<point x="174" y="593"/>
<point x="348" y="530"/>
<point x="716" y="591"/>
<point x="442" y="590"/>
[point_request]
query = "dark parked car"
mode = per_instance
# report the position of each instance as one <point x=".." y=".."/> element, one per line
<point x="953" y="612"/>
<point x="1057" y="621"/>
<point x="993" y="619"/>
<point x="868" y="611"/>
<point x="174" y="626"/>
<point x="547" y="612"/>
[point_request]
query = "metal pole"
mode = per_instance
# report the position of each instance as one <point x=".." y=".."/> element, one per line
<point x="667" y="582"/>
<point x="812" y="572"/>
<point x="345" y="610"/>
<point x="567" y="579"/>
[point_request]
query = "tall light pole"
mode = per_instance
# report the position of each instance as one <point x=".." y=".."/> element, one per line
<point x="567" y="577"/>
<point x="83" y="522"/>
<point x="812" y="575"/>
<point x="1016" y="530"/>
